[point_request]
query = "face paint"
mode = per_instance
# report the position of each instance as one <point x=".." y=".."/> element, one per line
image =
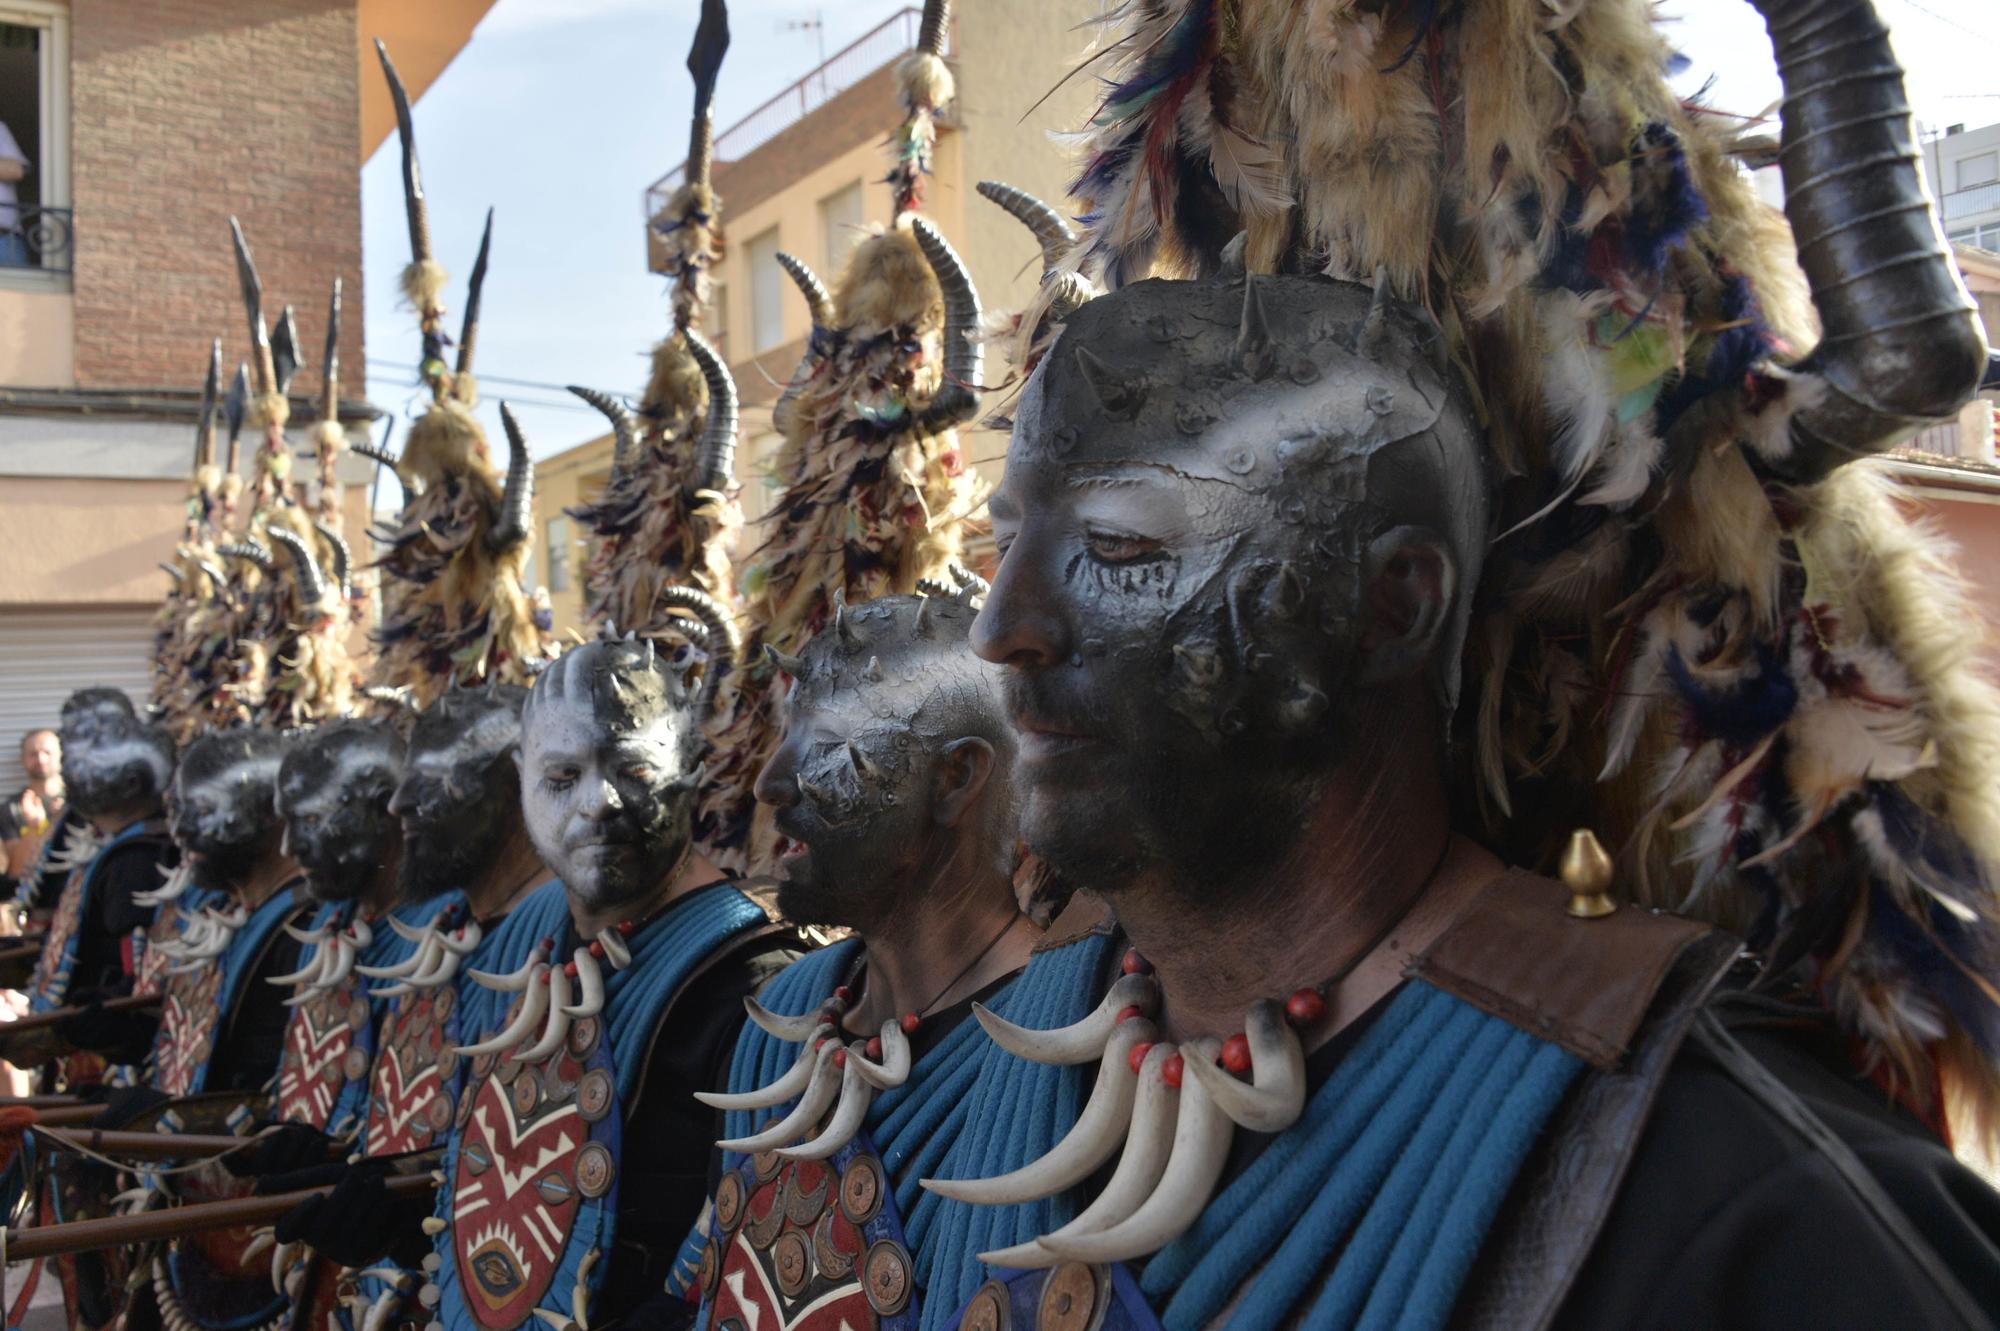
<point x="610" y="756"/>
<point x="1197" y="476"/>
<point x="221" y="807"/>
<point x="879" y="696"/>
<point x="333" y="793"/>
<point x="456" y="798"/>
<point x="117" y="767"/>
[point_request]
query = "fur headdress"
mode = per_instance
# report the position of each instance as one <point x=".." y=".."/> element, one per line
<point x="453" y="603"/>
<point x="1736" y="658"/>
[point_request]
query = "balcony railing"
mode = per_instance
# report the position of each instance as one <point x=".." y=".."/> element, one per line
<point x="40" y="239"/>
<point x="1968" y="202"/>
<point x="842" y="70"/>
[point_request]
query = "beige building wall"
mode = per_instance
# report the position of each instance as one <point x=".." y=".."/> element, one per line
<point x="37" y="336"/>
<point x="563" y="482"/>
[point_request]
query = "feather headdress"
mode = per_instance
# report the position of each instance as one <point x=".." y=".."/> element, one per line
<point x="453" y="603"/>
<point x="1746" y="668"/>
<point x="924" y="87"/>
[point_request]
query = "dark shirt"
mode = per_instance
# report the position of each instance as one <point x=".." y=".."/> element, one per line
<point x="253" y="1033"/>
<point x="104" y="935"/>
<point x="663" y="1175"/>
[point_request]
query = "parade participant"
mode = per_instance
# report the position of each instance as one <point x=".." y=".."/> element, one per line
<point x="1243" y="559"/>
<point x="627" y="1002"/>
<point x="897" y="819"/>
<point x="877" y="489"/>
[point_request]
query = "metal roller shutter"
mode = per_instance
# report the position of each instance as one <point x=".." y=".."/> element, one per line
<point x="45" y="655"/>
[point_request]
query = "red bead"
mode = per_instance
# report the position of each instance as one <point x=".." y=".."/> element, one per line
<point x="548" y="975"/>
<point x="1305" y="1008"/>
<point x="625" y="928"/>
<point x="569" y="969"/>
<point x="1236" y="1054"/>
<point x="1134" y="964"/>
<point x="1126" y="1014"/>
<point x="1138" y="1054"/>
<point x="910" y="1023"/>
<point x="820" y="1043"/>
<point x="874" y="1048"/>
<point x="843" y="994"/>
<point x="840" y="1058"/>
<point x="547" y="945"/>
<point x="596" y="947"/>
<point x="1172" y="1069"/>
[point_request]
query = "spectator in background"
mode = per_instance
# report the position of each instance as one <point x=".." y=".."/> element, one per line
<point x="27" y="818"/>
<point x="13" y="166"/>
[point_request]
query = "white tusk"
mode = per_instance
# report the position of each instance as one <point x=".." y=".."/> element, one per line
<point x="342" y="965"/>
<point x="515" y="981"/>
<point x="410" y="933"/>
<point x="789" y="1029"/>
<point x="305" y="974"/>
<point x="360" y="933"/>
<point x="591" y="981"/>
<point x="555" y="1028"/>
<point x="894" y="1069"/>
<point x="281" y="1266"/>
<point x="779" y="1091"/>
<point x="443" y="964"/>
<point x="1201" y="1148"/>
<point x="855" y="1097"/>
<point x="534" y="1005"/>
<point x="260" y="1241"/>
<point x="1140" y="1166"/>
<point x="380" y="1312"/>
<point x="464" y="938"/>
<point x="794" y="1126"/>
<point x="1078" y="1043"/>
<point x="310" y="936"/>
<point x="615" y="951"/>
<point x="1097" y="1134"/>
<point x="405" y="968"/>
<point x="1276" y="1093"/>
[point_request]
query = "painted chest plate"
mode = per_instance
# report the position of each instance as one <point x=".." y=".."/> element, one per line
<point x="808" y="1245"/>
<point x="190" y="1014"/>
<point x="415" y="1069"/>
<point x="51" y="982"/>
<point x="327" y="1042"/>
<point x="536" y="1142"/>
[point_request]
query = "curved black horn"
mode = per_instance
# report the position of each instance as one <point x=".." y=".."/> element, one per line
<point x="312" y="581"/>
<point x="217" y="578"/>
<point x="964" y="356"/>
<point x="211" y="389"/>
<point x="624" y="430"/>
<point x="1051" y="230"/>
<point x="937" y="19"/>
<point x="819" y="301"/>
<point x="723" y="645"/>
<point x="180" y="579"/>
<point x="381" y="457"/>
<point x="468" y="331"/>
<point x="343" y="558"/>
<point x="715" y="462"/>
<point x="1901" y="346"/>
<point x="517" y="501"/>
<point x="251" y="551"/>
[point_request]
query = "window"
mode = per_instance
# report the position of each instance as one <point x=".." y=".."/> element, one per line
<point x="839" y="227"/>
<point x="1979" y="237"/>
<point x="767" y="294"/>
<point x="1978" y="169"/>
<point x="556" y="531"/>
<point x="35" y="230"/>
<point x="717" y="330"/>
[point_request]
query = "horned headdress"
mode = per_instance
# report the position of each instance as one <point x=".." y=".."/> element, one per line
<point x="669" y="514"/>
<point x="453" y="604"/>
<point x="1702" y="631"/>
<point x="877" y="489"/>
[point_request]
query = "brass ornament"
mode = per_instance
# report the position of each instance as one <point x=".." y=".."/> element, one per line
<point x="990" y="1309"/>
<point x="1587" y="873"/>
<point x="861" y="1189"/>
<point x="595" y="1169"/>
<point x="1074" y="1298"/>
<point x="886" y="1277"/>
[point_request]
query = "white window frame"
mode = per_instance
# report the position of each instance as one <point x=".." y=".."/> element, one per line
<point x="52" y="161"/>
<point x="767" y="288"/>
<point x="838" y="236"/>
<point x="1990" y="159"/>
<point x="556" y="535"/>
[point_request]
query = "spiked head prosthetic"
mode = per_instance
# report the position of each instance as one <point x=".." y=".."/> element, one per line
<point x="459" y="796"/>
<point x="222" y="808"/>
<point x="1709" y="637"/>
<point x="111" y="761"/>
<point x="333" y="794"/>
<point x="611" y="748"/>
<point x="880" y="699"/>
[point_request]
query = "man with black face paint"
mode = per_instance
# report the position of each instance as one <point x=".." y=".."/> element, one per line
<point x="1240" y="529"/>
<point x="628" y="999"/>
<point x="897" y="818"/>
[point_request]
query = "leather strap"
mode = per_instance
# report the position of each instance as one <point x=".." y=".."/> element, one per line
<point x="1563" y="1195"/>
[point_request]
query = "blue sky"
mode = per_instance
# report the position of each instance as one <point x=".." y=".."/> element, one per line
<point x="560" y="112"/>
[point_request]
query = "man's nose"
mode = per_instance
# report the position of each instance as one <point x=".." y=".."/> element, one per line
<point x="777" y="785"/>
<point x="403" y="800"/>
<point x="1021" y="625"/>
<point x="602" y="801"/>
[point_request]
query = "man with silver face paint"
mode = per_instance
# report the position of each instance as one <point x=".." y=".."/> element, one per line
<point x="626" y="999"/>
<point x="1240" y="529"/>
<point x="897" y="819"/>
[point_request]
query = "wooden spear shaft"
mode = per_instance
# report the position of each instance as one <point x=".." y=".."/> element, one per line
<point x="175" y="1221"/>
<point x="35" y="1021"/>
<point x="145" y="1145"/>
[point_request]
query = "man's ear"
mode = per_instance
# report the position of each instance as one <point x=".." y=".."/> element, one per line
<point x="1408" y="582"/>
<point x="962" y="772"/>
